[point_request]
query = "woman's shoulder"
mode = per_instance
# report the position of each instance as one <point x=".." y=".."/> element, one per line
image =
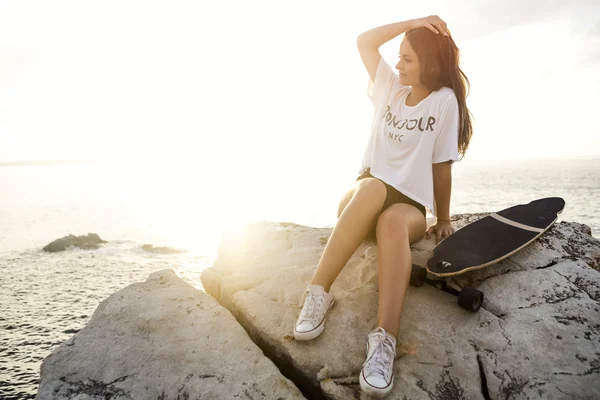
<point x="399" y="92"/>
<point x="446" y="98"/>
<point x="445" y="93"/>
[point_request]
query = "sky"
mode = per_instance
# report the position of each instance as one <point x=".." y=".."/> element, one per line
<point x="259" y="87"/>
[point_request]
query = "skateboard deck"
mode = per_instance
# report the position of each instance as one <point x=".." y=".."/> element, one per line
<point x="494" y="237"/>
<point x="489" y="240"/>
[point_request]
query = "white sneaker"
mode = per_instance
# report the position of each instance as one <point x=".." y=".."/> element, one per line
<point x="311" y="321"/>
<point x="377" y="375"/>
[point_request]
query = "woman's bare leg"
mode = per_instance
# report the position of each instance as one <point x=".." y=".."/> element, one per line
<point x="366" y="198"/>
<point x="397" y="228"/>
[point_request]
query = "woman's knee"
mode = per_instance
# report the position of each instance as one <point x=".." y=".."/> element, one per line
<point x="390" y="221"/>
<point x="371" y="192"/>
<point x="402" y="219"/>
<point x="371" y="189"/>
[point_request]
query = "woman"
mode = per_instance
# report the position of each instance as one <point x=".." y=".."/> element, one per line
<point x="421" y="123"/>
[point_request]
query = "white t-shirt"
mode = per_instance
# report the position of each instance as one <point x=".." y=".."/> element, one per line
<point x="405" y="141"/>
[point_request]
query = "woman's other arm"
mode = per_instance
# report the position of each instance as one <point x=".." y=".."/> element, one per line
<point x="442" y="187"/>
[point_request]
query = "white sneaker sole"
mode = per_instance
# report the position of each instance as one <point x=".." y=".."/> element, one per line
<point x="309" y="335"/>
<point x="375" y="391"/>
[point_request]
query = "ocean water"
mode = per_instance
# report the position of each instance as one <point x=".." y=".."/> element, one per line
<point x="45" y="298"/>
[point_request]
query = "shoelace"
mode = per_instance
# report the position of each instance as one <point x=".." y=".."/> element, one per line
<point x="382" y="355"/>
<point x="308" y="312"/>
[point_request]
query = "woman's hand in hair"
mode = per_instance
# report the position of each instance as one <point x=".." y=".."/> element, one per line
<point x="433" y="23"/>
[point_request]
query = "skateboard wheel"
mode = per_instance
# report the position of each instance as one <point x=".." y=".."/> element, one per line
<point x="470" y="298"/>
<point x="417" y="276"/>
<point x="444" y="264"/>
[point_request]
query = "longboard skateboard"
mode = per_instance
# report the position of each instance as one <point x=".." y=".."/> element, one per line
<point x="485" y="242"/>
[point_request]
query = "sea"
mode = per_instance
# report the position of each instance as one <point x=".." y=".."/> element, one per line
<point x="45" y="298"/>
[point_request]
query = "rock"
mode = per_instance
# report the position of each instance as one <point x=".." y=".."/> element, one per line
<point x="537" y="334"/>
<point x="161" y="250"/>
<point x="161" y="339"/>
<point x="89" y="242"/>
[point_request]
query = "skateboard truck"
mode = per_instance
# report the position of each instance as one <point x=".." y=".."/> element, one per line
<point x="444" y="264"/>
<point x="468" y="298"/>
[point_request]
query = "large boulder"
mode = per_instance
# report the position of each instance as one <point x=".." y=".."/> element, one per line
<point x="161" y="339"/>
<point x="537" y="334"/>
<point x="91" y="241"/>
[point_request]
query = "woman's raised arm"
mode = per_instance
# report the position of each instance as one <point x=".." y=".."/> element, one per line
<point x="369" y="42"/>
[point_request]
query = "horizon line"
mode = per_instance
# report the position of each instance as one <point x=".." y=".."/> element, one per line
<point x="100" y="161"/>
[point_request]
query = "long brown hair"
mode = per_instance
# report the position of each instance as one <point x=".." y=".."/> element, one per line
<point x="439" y="58"/>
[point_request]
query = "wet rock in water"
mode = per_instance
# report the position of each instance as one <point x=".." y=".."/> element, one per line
<point x="89" y="242"/>
<point x="161" y="339"/>
<point x="537" y="334"/>
<point x="161" y="250"/>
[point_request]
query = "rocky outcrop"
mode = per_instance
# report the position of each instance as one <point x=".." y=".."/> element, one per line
<point x="161" y="250"/>
<point x="89" y="242"/>
<point x="92" y="241"/>
<point x="537" y="334"/>
<point x="161" y="339"/>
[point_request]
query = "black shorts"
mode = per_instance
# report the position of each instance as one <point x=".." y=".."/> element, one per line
<point x="393" y="196"/>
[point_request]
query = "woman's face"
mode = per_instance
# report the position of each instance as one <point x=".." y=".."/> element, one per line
<point x="408" y="66"/>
